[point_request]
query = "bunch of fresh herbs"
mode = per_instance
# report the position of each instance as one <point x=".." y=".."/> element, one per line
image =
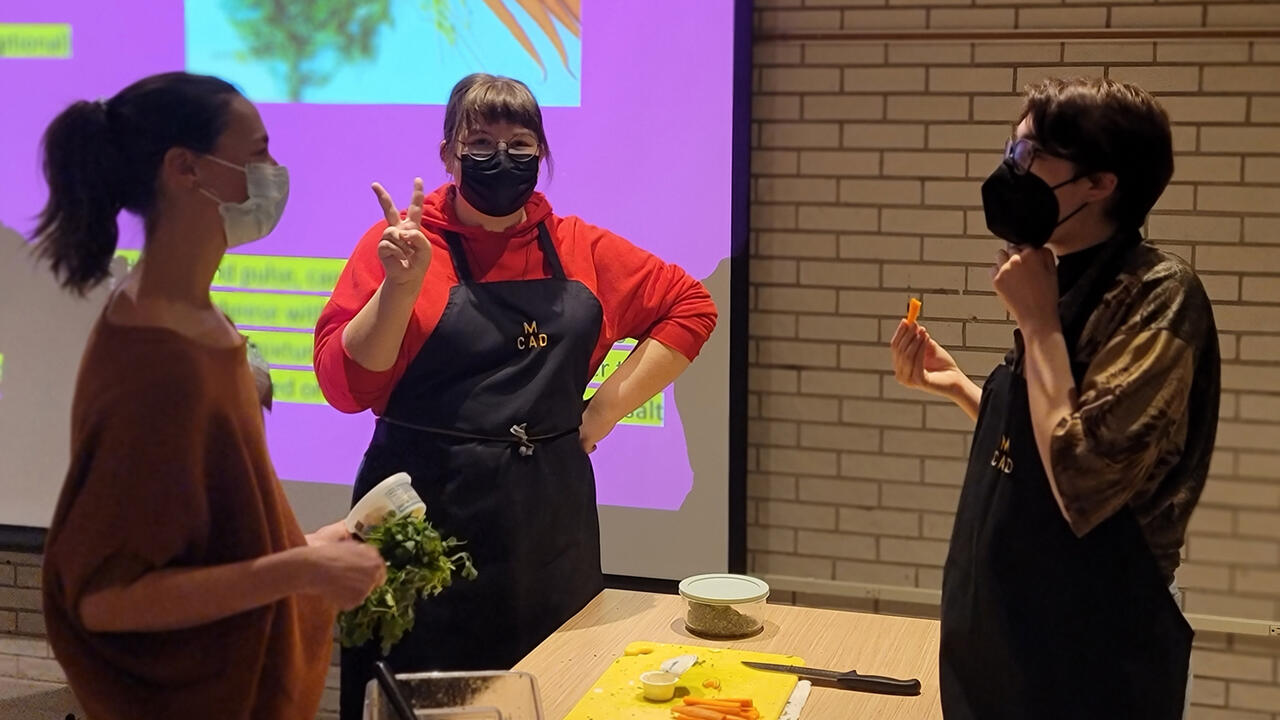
<point x="420" y="564"/>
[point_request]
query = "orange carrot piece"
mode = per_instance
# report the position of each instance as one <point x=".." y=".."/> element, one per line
<point x="697" y="713"/>
<point x="913" y="310"/>
<point x="709" y="702"/>
<point x="711" y="684"/>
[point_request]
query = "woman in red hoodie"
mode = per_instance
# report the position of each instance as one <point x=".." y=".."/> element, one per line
<point x="471" y="324"/>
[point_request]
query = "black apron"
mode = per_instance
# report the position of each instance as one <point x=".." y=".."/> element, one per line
<point x="485" y="421"/>
<point x="1037" y="623"/>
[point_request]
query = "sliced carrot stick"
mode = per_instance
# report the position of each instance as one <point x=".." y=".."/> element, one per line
<point x="697" y="713"/>
<point x="709" y="702"/>
<point x="913" y="310"/>
<point x="744" y="702"/>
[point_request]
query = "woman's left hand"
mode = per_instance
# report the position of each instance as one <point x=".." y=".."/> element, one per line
<point x="594" y="429"/>
<point x="1027" y="283"/>
<point x="329" y="534"/>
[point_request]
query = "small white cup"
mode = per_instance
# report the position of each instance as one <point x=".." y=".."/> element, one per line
<point x="659" y="686"/>
<point x="394" y="495"/>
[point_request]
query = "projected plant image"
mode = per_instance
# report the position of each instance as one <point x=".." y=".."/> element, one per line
<point x="384" y="51"/>
<point x="305" y="41"/>
<point x="568" y="12"/>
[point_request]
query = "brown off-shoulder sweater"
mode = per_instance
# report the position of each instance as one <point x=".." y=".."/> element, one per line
<point x="169" y="468"/>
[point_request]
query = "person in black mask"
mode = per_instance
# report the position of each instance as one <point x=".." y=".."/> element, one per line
<point x="471" y="324"/>
<point x="1094" y="436"/>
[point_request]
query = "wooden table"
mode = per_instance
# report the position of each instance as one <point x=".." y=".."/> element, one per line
<point x="569" y="662"/>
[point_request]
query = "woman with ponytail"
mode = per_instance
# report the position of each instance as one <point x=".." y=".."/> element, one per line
<point x="177" y="582"/>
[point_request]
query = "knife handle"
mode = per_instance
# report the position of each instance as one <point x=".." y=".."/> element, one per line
<point x="881" y="685"/>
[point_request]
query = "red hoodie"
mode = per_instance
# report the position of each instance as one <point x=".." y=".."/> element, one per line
<point x="642" y="296"/>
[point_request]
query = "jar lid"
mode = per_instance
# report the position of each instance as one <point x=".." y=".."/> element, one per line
<point x="724" y="589"/>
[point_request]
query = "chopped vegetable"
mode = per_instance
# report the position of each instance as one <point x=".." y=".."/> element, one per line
<point x="734" y="704"/>
<point x="420" y="564"/>
<point x="721" y="709"/>
<point x="688" y="712"/>
<point x="711" y="684"/>
<point x="913" y="310"/>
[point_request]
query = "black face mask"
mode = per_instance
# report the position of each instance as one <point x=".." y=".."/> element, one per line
<point x="1022" y="208"/>
<point x="500" y="185"/>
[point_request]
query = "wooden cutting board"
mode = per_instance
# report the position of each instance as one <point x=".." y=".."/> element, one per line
<point x="618" y="694"/>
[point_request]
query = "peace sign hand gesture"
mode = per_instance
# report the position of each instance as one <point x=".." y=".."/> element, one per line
<point x="404" y="251"/>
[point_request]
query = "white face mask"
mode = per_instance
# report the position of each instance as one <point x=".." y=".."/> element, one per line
<point x="254" y="218"/>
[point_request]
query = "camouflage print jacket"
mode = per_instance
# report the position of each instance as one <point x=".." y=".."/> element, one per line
<point x="1144" y="352"/>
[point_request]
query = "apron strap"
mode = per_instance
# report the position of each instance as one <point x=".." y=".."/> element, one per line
<point x="458" y="255"/>
<point x="519" y="434"/>
<point x="549" y="252"/>
<point x="460" y="267"/>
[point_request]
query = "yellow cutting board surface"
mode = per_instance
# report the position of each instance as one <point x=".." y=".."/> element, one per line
<point x="618" y="694"/>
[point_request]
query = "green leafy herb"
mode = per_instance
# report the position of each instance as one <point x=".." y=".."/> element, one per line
<point x="420" y="564"/>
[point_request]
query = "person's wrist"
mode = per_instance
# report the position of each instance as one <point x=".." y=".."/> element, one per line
<point x="401" y="289"/>
<point x="596" y="415"/>
<point x="1036" y="326"/>
<point x="952" y="385"/>
<point x="298" y="569"/>
<point x="591" y="414"/>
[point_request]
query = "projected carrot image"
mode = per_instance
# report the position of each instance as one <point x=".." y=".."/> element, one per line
<point x="384" y="51"/>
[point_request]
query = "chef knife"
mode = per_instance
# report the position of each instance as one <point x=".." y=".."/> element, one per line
<point x="850" y="680"/>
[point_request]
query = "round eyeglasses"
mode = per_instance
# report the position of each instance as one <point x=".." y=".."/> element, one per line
<point x="484" y="149"/>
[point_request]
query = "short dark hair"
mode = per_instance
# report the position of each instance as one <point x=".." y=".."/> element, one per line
<point x="104" y="156"/>
<point x="480" y="99"/>
<point x="1102" y="125"/>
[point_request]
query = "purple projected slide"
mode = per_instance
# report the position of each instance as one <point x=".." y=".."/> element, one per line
<point x="637" y="98"/>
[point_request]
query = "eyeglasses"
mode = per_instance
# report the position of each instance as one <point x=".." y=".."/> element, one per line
<point x="1020" y="153"/>
<point x="484" y="148"/>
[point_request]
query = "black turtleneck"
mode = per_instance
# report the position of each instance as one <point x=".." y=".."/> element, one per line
<point x="1073" y="266"/>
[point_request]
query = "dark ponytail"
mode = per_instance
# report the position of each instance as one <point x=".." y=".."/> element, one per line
<point x="103" y="157"/>
<point x="77" y="229"/>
